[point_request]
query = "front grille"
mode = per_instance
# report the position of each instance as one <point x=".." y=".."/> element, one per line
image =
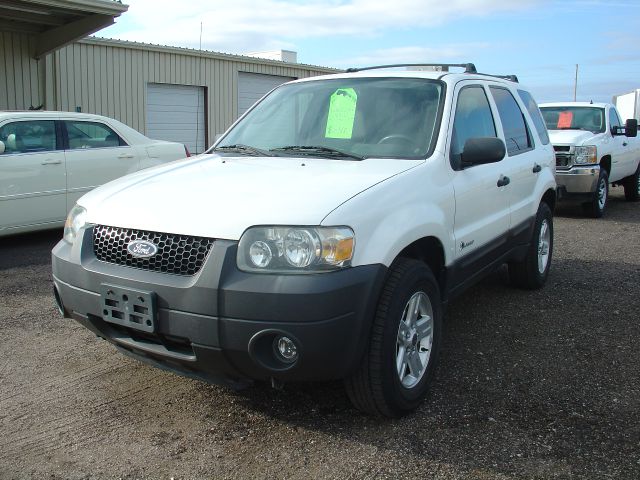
<point x="177" y="254"/>
<point x="562" y="148"/>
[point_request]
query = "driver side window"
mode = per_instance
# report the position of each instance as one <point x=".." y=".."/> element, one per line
<point x="473" y="118"/>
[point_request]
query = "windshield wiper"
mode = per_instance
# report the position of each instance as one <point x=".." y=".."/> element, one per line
<point x="241" y="148"/>
<point x="317" y="150"/>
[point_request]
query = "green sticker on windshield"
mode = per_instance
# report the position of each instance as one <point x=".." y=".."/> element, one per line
<point x="342" y="113"/>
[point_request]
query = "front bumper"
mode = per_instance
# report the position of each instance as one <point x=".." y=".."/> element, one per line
<point x="219" y="324"/>
<point x="578" y="181"/>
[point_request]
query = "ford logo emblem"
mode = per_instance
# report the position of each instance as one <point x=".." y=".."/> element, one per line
<point x="142" y="249"/>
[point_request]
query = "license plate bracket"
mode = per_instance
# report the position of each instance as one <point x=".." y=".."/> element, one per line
<point x="128" y="307"/>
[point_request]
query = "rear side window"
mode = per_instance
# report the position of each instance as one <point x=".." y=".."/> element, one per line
<point x="84" y="135"/>
<point x="536" y="116"/>
<point x="515" y="129"/>
<point x="29" y="136"/>
<point x="473" y="118"/>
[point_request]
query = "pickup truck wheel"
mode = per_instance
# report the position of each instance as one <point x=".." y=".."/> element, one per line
<point x="596" y="207"/>
<point x="532" y="272"/>
<point x="397" y="367"/>
<point x="632" y="187"/>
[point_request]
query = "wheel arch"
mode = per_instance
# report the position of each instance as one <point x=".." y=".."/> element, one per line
<point x="605" y="162"/>
<point x="430" y="251"/>
<point x="550" y="198"/>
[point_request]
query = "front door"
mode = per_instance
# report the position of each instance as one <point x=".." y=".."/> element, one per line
<point x="482" y="216"/>
<point x="32" y="176"/>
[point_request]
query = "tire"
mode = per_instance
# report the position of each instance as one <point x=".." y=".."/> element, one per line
<point x="379" y="387"/>
<point x="595" y="208"/>
<point x="632" y="187"/>
<point x="532" y="272"/>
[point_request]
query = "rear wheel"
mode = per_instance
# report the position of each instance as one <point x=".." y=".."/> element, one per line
<point x="595" y="208"/>
<point x="532" y="272"/>
<point x="632" y="187"/>
<point x="398" y="365"/>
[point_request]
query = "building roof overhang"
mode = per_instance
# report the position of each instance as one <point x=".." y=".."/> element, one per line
<point x="56" y="23"/>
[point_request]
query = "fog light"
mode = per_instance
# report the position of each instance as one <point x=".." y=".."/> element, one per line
<point x="286" y="349"/>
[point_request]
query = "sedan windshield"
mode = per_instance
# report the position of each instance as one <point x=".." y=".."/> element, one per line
<point x="574" y="118"/>
<point x="347" y="118"/>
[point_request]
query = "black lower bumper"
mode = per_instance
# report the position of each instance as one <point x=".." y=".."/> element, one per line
<point x="220" y="325"/>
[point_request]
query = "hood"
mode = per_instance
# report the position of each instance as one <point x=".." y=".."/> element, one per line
<point x="573" y="137"/>
<point x="219" y="197"/>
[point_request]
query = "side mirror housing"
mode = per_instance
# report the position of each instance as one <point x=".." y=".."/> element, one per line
<point x="631" y="127"/>
<point x="481" y="150"/>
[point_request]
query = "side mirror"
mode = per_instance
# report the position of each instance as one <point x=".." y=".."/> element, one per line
<point x="631" y="127"/>
<point x="481" y="150"/>
<point x="1" y="147"/>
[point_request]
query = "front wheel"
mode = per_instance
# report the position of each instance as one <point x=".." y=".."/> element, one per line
<point x="595" y="208"/>
<point x="397" y="367"/>
<point x="632" y="187"/>
<point x="532" y="272"/>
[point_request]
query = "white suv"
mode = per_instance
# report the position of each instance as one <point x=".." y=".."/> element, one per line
<point x="323" y="234"/>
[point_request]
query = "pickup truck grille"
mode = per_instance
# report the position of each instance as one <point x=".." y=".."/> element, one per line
<point x="564" y="159"/>
<point x="177" y="254"/>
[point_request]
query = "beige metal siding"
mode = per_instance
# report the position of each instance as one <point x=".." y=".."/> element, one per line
<point x="110" y="78"/>
<point x="21" y="76"/>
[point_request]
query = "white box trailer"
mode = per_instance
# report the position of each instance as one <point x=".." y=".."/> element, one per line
<point x="628" y="105"/>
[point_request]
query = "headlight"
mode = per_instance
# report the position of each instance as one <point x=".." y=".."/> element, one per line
<point x="295" y="249"/>
<point x="75" y="221"/>
<point x="586" y="154"/>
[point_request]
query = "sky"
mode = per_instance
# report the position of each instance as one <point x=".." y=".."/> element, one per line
<point x="540" y="41"/>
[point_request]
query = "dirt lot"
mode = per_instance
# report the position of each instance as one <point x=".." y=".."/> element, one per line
<point x="530" y="385"/>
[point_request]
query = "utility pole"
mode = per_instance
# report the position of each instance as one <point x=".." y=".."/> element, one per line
<point x="575" y="85"/>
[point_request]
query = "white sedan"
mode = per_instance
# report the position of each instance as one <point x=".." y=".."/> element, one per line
<point x="50" y="159"/>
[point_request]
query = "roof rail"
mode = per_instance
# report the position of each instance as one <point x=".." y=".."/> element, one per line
<point x="468" y="67"/>
<point x="513" y="78"/>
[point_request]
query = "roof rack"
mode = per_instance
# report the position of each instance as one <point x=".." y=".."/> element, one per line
<point x="468" y="67"/>
<point x="513" y="78"/>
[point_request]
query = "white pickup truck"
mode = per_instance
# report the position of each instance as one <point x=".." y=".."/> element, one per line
<point x="593" y="149"/>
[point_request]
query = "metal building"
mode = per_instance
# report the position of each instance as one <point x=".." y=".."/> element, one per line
<point x="168" y="93"/>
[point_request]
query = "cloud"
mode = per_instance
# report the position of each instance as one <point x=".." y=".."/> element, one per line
<point x="264" y="24"/>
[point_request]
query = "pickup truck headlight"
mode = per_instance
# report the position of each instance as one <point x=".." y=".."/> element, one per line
<point x="586" y="155"/>
<point x="293" y="249"/>
<point x="75" y="221"/>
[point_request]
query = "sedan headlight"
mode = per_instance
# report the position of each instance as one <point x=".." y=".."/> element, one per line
<point x="75" y="221"/>
<point x="587" y="154"/>
<point x="295" y="249"/>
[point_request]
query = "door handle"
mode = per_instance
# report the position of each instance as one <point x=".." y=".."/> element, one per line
<point x="624" y="144"/>
<point x="503" y="181"/>
<point x="125" y="155"/>
<point x="52" y="161"/>
<point x="536" y="168"/>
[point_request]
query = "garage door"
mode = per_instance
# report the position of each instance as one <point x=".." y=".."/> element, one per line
<point x="176" y="113"/>
<point x="252" y="87"/>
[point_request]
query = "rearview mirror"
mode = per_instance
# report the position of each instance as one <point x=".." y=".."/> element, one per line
<point x="1" y="147"/>
<point x="481" y="150"/>
<point x="631" y="127"/>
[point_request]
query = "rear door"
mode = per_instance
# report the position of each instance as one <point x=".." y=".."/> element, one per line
<point x="482" y="206"/>
<point x="521" y="165"/>
<point x="32" y="175"/>
<point x="95" y="154"/>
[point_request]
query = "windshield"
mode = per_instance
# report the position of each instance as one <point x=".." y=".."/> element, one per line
<point x="352" y="118"/>
<point x="574" y="118"/>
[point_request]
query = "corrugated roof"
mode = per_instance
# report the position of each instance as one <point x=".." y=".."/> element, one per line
<point x="206" y="53"/>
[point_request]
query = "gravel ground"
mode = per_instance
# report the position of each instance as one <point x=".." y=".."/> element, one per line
<point x="541" y="384"/>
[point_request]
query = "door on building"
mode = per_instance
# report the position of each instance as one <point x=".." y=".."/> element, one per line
<point x="253" y="86"/>
<point x="177" y="113"/>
